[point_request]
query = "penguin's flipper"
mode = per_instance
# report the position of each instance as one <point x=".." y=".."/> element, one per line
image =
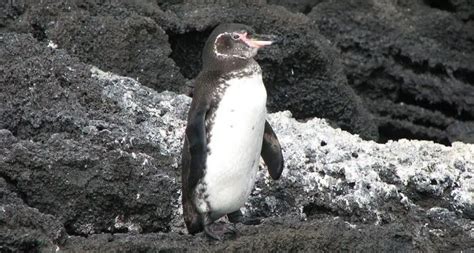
<point x="194" y="161"/>
<point x="271" y="152"/>
<point x="196" y="141"/>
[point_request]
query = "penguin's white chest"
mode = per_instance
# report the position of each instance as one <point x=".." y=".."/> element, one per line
<point x="234" y="145"/>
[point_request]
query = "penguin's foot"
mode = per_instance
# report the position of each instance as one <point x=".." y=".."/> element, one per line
<point x="212" y="234"/>
<point x="238" y="217"/>
<point x="231" y="229"/>
<point x="217" y="231"/>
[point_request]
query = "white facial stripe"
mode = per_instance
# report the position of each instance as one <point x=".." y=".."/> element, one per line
<point x="224" y="55"/>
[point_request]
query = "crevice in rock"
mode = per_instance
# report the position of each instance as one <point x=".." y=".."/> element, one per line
<point x="39" y="32"/>
<point x="315" y="209"/>
<point x="307" y="9"/>
<point x="70" y="230"/>
<point x="428" y="200"/>
<point x="14" y="187"/>
<point x="444" y="107"/>
<point x="464" y="75"/>
<point x="427" y="123"/>
<point x="404" y="112"/>
<point x="396" y="130"/>
<point x="441" y="4"/>
<point x="165" y="4"/>
<point x="418" y="121"/>
<point x="378" y="84"/>
<point x="186" y="50"/>
<point x="302" y="6"/>
<point x="419" y="67"/>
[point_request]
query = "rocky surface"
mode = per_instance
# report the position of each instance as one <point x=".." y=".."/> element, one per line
<point x="410" y="61"/>
<point x="89" y="160"/>
<point x="381" y="69"/>
<point x="162" y="50"/>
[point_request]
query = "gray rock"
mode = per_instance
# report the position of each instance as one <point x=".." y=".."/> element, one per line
<point x="359" y="175"/>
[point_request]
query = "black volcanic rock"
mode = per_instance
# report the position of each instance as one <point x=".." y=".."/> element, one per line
<point x="73" y="154"/>
<point x="401" y="55"/>
<point x="24" y="228"/>
<point x="119" y="37"/>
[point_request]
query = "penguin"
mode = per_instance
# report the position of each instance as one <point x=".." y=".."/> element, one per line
<point x="226" y="131"/>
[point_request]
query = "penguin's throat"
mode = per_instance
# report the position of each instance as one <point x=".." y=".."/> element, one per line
<point x="252" y="68"/>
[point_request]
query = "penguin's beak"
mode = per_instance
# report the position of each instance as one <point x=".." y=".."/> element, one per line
<point x="258" y="40"/>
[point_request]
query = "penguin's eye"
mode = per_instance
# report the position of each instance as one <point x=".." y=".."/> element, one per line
<point x="235" y="36"/>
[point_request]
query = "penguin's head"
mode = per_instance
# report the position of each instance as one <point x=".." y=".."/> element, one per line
<point x="233" y="43"/>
